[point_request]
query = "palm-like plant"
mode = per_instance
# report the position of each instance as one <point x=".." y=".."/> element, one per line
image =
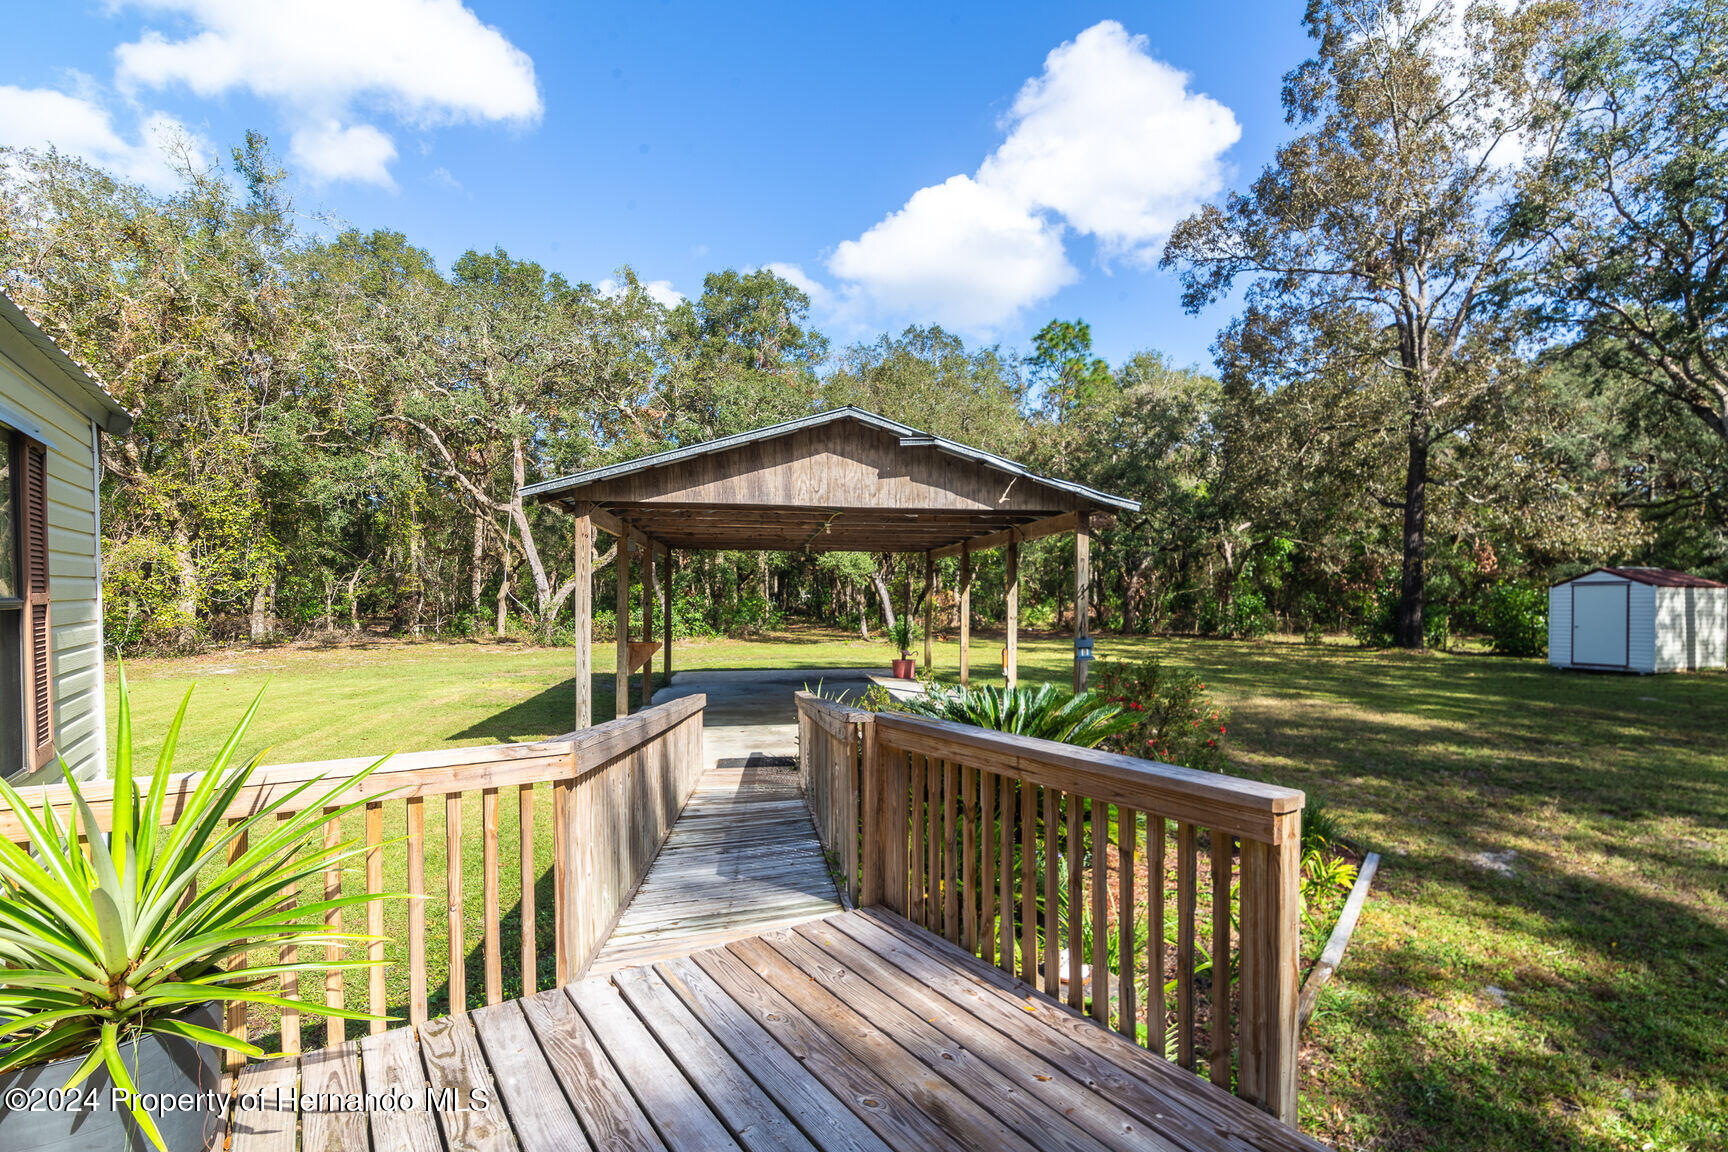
<point x="1045" y="711"/>
<point x="106" y="940"/>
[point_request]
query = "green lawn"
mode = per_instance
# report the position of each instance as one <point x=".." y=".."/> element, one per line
<point x="1571" y="995"/>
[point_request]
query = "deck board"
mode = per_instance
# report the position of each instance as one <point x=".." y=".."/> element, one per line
<point x="743" y="855"/>
<point x="853" y="1033"/>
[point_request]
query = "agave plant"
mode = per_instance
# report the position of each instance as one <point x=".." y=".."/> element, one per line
<point x="1045" y="711"/>
<point x="105" y="936"/>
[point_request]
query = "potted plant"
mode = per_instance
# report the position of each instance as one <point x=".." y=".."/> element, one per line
<point x="900" y="635"/>
<point x="114" y="964"/>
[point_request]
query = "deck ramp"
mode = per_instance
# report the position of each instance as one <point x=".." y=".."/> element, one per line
<point x="742" y="858"/>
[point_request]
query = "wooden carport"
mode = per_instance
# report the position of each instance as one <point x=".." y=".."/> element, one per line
<point x="845" y="480"/>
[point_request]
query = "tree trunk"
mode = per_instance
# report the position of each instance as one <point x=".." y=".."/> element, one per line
<point x="1407" y="628"/>
<point x="258" y="618"/>
<point x="185" y="588"/>
<point x="475" y="562"/>
<point x="885" y="596"/>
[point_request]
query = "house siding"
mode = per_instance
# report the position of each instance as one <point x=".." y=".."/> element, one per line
<point x="1641" y="628"/>
<point x="74" y="581"/>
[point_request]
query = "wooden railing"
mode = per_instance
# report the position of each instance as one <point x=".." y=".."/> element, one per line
<point x="592" y="809"/>
<point x="832" y="742"/>
<point x="1160" y="900"/>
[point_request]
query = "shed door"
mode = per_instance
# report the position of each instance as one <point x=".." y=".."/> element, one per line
<point x="1599" y="624"/>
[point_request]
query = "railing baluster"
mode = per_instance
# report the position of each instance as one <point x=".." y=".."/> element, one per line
<point x="1157" y="1024"/>
<point x="1028" y="883"/>
<point x="1076" y="806"/>
<point x="1101" y="912"/>
<point x="453" y="904"/>
<point x="920" y="841"/>
<point x="525" y="825"/>
<point x="1127" y="840"/>
<point x="1005" y="879"/>
<point x="489" y="886"/>
<point x="416" y="910"/>
<point x="234" y="1020"/>
<point x="1218" y="1055"/>
<point x="933" y="844"/>
<point x="969" y="857"/>
<point x="335" y="1031"/>
<point x="1052" y="970"/>
<point x="375" y="993"/>
<point x="290" y="1022"/>
<point x="1186" y="883"/>
<point x="950" y="851"/>
<point x="986" y="865"/>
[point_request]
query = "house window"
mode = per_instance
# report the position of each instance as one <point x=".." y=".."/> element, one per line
<point x="26" y="706"/>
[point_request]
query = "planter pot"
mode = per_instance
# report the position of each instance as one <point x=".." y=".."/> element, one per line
<point x="168" y="1065"/>
<point x="903" y="670"/>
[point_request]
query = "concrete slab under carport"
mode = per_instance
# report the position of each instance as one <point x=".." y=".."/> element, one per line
<point x="751" y="710"/>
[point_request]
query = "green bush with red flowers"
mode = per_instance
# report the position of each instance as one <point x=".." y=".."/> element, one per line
<point x="1175" y="720"/>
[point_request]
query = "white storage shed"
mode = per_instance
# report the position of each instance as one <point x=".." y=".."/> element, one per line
<point x="1638" y="620"/>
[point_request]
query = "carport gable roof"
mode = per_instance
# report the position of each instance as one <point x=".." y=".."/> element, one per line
<point x="842" y="480"/>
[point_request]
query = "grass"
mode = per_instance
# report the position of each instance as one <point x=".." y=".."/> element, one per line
<point x="1573" y="995"/>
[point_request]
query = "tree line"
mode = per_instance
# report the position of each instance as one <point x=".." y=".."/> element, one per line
<point x="1481" y="343"/>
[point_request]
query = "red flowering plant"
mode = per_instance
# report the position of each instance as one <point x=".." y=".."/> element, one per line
<point x="1175" y="720"/>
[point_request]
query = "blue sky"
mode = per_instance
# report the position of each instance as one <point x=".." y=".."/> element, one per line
<point x="985" y="166"/>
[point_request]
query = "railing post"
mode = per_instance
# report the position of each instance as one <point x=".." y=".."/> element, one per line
<point x="1269" y="960"/>
<point x="566" y="881"/>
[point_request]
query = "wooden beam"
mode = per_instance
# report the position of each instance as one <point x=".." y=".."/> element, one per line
<point x="621" y="626"/>
<point x="1012" y="552"/>
<point x="582" y="602"/>
<point x="1082" y="593"/>
<point x="965" y="612"/>
<point x="648" y="624"/>
<point x="636" y="539"/>
<point x="1036" y="530"/>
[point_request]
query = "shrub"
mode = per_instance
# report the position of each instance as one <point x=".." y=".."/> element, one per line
<point x="1046" y="711"/>
<point x="900" y="635"/>
<point x="1174" y="720"/>
<point x="1515" y="617"/>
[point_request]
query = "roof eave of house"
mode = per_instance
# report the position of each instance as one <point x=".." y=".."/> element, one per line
<point x="100" y="404"/>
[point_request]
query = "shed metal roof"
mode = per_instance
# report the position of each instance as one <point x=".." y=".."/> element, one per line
<point x="1659" y="577"/>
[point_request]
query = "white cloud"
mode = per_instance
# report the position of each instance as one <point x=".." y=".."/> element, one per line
<point x="443" y="177"/>
<point x="79" y="126"/>
<point x="1106" y="142"/>
<point x="329" y="151"/>
<point x="660" y="291"/>
<point x="821" y="298"/>
<point x="1112" y="141"/>
<point x="961" y="252"/>
<point x="426" y="62"/>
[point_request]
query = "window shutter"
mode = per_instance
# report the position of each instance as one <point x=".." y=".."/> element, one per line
<point x="38" y="678"/>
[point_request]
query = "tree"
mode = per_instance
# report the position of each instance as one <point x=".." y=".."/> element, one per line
<point x="1635" y="207"/>
<point x="1381" y="236"/>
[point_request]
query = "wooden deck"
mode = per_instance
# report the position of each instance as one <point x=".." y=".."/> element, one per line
<point x="743" y="857"/>
<point x="858" y="1031"/>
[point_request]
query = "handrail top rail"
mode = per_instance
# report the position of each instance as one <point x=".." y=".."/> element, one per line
<point x="1246" y="807"/>
<point x="442" y="770"/>
<point x="845" y="713"/>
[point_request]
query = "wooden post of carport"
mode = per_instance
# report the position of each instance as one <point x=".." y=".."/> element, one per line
<point x="648" y="620"/>
<point x="965" y="612"/>
<point x="582" y="602"/>
<point x="929" y="606"/>
<point x="1011" y="668"/>
<point x="621" y="625"/>
<point x="666" y="613"/>
<point x="1082" y="597"/>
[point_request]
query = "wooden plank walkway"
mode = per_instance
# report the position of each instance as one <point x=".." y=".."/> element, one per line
<point x="743" y="857"/>
<point x="857" y="1032"/>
